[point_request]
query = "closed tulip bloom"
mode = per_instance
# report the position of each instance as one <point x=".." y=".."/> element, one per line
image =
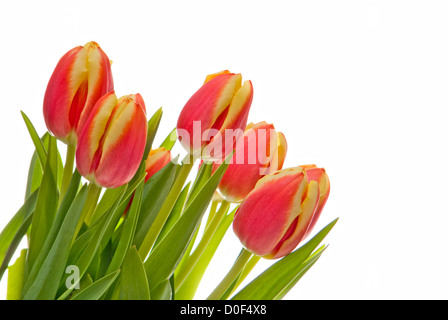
<point x="112" y="142"/>
<point x="261" y="151"/>
<point x="81" y="77"/>
<point x="281" y="210"/>
<point x="157" y="159"/>
<point x="222" y="103"/>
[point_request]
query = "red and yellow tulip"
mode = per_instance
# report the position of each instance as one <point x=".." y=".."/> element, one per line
<point x="220" y="106"/>
<point x="112" y="142"/>
<point x="157" y="159"/>
<point x="81" y="77"/>
<point x="281" y="210"/>
<point x="261" y="151"/>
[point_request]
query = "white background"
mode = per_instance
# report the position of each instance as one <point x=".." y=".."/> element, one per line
<point x="358" y="87"/>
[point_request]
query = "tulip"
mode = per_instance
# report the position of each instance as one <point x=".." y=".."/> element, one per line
<point x="156" y="160"/>
<point x="81" y="77"/>
<point x="281" y="210"/>
<point x="221" y="106"/>
<point x="112" y="143"/>
<point x="261" y="151"/>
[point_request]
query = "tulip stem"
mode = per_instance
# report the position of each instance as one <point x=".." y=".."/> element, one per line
<point x="232" y="276"/>
<point x="157" y="226"/>
<point x="93" y="194"/>
<point x="202" y="245"/>
<point x="68" y="169"/>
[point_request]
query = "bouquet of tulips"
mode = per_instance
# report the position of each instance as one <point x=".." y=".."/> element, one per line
<point x="119" y="218"/>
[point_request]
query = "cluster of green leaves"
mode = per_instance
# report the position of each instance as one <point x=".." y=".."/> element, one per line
<point x="128" y="249"/>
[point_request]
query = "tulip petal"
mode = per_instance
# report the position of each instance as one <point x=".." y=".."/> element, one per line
<point x="302" y="223"/>
<point x="125" y="139"/>
<point x="268" y="211"/>
<point x="80" y="78"/>
<point x="62" y="87"/>
<point x="252" y="154"/>
<point x="319" y="175"/>
<point x="93" y="131"/>
<point x="208" y="107"/>
<point x="214" y="75"/>
<point x="157" y="159"/>
<point x="99" y="80"/>
<point x="236" y="119"/>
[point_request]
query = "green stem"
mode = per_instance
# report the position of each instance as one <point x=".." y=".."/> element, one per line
<point x="231" y="276"/>
<point x="212" y="212"/>
<point x="68" y="169"/>
<point x="247" y="269"/>
<point x="93" y="194"/>
<point x="202" y="245"/>
<point x="165" y="210"/>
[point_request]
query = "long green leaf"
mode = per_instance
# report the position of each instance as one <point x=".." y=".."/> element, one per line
<point x="155" y="191"/>
<point x="46" y="206"/>
<point x="47" y="280"/>
<point x="15" y="243"/>
<point x="160" y="266"/>
<point x="98" y="288"/>
<point x="40" y="149"/>
<point x="133" y="281"/>
<point x="55" y="228"/>
<point x="188" y="289"/>
<point x="273" y="282"/>
<point x="304" y="267"/>
<point x="83" y="260"/>
<point x="128" y="231"/>
<point x="16" y="276"/>
<point x="14" y="225"/>
<point x="175" y="213"/>
<point x="170" y="140"/>
<point x="153" y="125"/>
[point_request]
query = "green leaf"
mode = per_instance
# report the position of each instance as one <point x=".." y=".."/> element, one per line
<point x="175" y="213"/>
<point x="170" y="140"/>
<point x="47" y="280"/>
<point x="153" y="125"/>
<point x="98" y="288"/>
<point x="188" y="289"/>
<point x="160" y="266"/>
<point x="204" y="174"/>
<point x="55" y="227"/>
<point x="128" y="231"/>
<point x="46" y="206"/>
<point x="162" y="291"/>
<point x="34" y="176"/>
<point x="9" y="233"/>
<point x="83" y="260"/>
<point x="304" y="267"/>
<point x="155" y="191"/>
<point x="41" y="153"/>
<point x="277" y="279"/>
<point x="15" y="243"/>
<point x="133" y="281"/>
<point x="16" y="276"/>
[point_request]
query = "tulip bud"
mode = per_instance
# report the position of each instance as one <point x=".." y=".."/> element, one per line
<point x="214" y="118"/>
<point x="112" y="142"/>
<point x="281" y="210"/>
<point x="156" y="160"/>
<point x="82" y="76"/>
<point x="261" y="151"/>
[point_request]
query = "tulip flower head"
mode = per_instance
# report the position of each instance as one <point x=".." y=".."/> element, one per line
<point x="281" y="210"/>
<point x="112" y="142"/>
<point x="261" y="151"/>
<point x="81" y="77"/>
<point x="214" y="118"/>
<point x="157" y="159"/>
